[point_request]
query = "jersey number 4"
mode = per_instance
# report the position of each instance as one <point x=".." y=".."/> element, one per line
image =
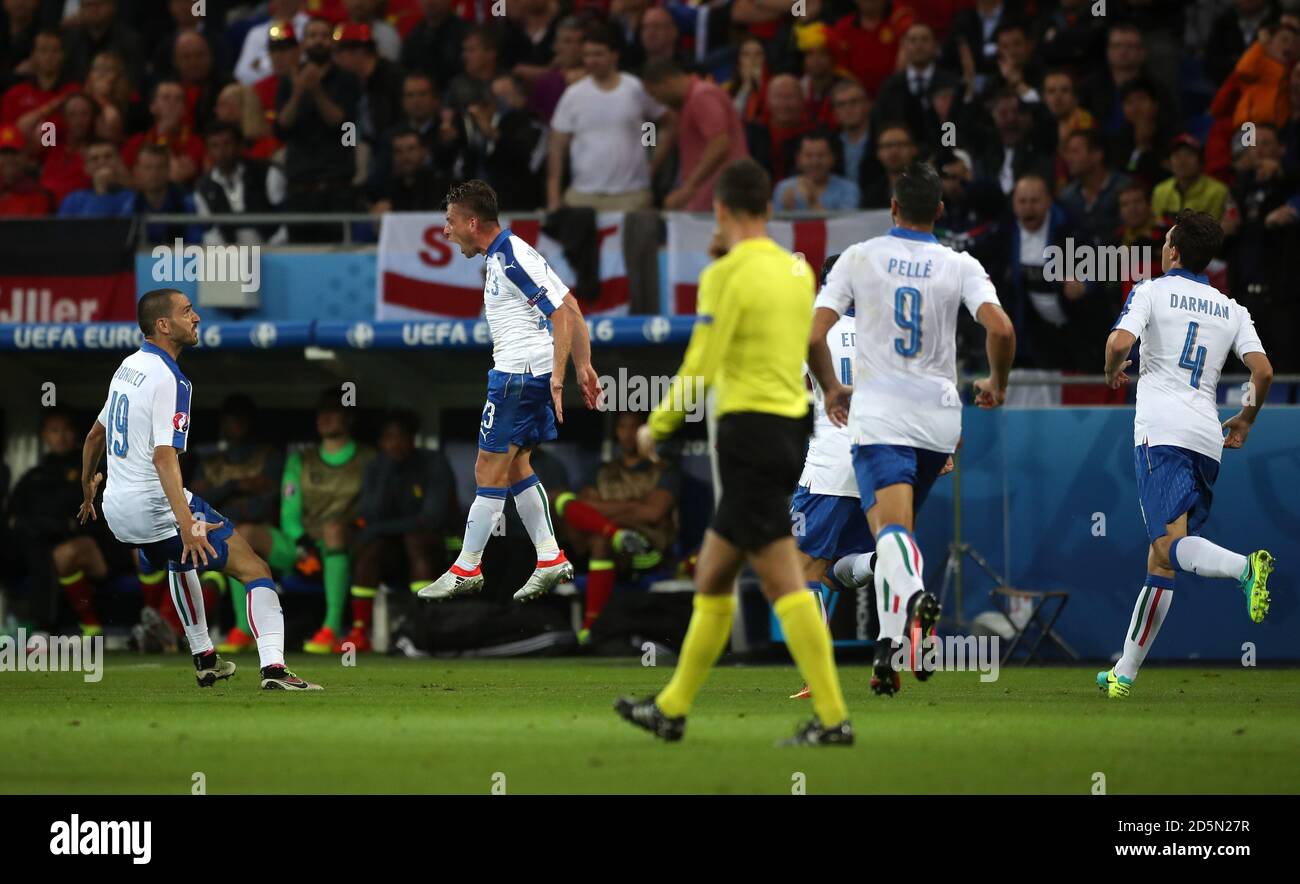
<point x="907" y="314"/>
<point x="1193" y="358"/>
<point x="117" y="416"/>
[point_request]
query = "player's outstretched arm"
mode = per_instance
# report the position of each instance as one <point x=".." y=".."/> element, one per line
<point x="192" y="533"/>
<point x="822" y="366"/>
<point x="92" y="451"/>
<point x="1000" y="345"/>
<point x="1261" y="378"/>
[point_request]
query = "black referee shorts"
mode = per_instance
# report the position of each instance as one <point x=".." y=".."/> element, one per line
<point x="760" y="458"/>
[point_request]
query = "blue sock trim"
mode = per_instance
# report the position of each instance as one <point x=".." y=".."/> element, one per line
<point x="1160" y="582"/>
<point x="260" y="583"/>
<point x="893" y="529"/>
<point x="498" y="493"/>
<point x="524" y="484"/>
<point x="1173" y="554"/>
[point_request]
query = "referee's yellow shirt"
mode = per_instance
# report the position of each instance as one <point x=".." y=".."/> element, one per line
<point x="755" y="311"/>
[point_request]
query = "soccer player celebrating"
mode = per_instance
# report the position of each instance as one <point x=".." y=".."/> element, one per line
<point x="535" y="324"/>
<point x="905" y="288"/>
<point x="143" y="427"/>
<point x="1187" y="328"/>
<point x="755" y="306"/>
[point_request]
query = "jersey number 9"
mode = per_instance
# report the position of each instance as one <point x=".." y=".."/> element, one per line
<point x="907" y="314"/>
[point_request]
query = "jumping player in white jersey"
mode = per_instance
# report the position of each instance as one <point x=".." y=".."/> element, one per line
<point x="1187" y="327"/>
<point x="142" y="428"/>
<point x="535" y="324"/>
<point x="905" y="409"/>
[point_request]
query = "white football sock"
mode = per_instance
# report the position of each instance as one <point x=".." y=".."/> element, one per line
<point x="1148" y="614"/>
<point x="854" y="571"/>
<point x="484" y="515"/>
<point x="187" y="595"/>
<point x="534" y="510"/>
<point x="266" y="619"/>
<point x="899" y="566"/>
<point x="1199" y="556"/>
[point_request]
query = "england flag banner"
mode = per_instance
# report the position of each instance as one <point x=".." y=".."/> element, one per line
<point x="815" y="239"/>
<point x="423" y="275"/>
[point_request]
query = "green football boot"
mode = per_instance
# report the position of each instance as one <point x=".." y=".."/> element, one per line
<point x="1254" y="583"/>
<point x="1114" y="686"/>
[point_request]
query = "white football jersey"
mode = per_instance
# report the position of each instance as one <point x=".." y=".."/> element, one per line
<point x="906" y="289"/>
<point x="828" y="468"/>
<point x="1186" y="327"/>
<point x="519" y="293"/>
<point x="148" y="405"/>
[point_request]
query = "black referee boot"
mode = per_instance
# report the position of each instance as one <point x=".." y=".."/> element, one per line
<point x="884" y="677"/>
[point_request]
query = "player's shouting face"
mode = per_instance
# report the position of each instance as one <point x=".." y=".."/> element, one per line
<point x="462" y="229"/>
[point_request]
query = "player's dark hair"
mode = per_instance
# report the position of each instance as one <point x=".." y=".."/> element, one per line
<point x="1140" y="84"/>
<point x="918" y="192"/>
<point x="153" y="306"/>
<point x="1197" y="236"/>
<point x="477" y="198"/>
<point x="818" y="135"/>
<point x="155" y="150"/>
<point x="826" y="268"/>
<point x="745" y="188"/>
<point x="404" y="418"/>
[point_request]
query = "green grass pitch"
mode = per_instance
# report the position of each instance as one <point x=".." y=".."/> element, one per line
<point x="451" y="726"/>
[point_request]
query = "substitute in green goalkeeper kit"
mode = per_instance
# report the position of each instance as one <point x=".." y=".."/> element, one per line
<point x="750" y="343"/>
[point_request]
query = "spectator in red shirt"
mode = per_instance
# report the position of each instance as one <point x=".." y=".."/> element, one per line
<point x="38" y="98"/>
<point x="19" y="194"/>
<point x="705" y="126"/>
<point x="63" y="169"/>
<point x="170" y="131"/>
<point x="867" y="41"/>
<point x="239" y="106"/>
<point x="283" y="48"/>
<point x="819" y="71"/>
<point x="773" y="143"/>
<point x="202" y="81"/>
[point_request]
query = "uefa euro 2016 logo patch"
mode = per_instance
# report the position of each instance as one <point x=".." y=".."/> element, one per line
<point x="180" y="422"/>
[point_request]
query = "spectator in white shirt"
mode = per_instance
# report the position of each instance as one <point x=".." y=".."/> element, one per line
<point x="600" y="127"/>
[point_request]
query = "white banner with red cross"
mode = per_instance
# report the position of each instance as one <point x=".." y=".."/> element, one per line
<point x="423" y="275"/>
<point x="815" y="239"/>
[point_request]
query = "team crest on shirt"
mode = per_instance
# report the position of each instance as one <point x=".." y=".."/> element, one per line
<point x="180" y="422"/>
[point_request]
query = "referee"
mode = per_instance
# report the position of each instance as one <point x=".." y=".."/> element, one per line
<point x="751" y="341"/>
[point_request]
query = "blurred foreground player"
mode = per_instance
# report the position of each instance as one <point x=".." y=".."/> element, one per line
<point x="1187" y="328"/>
<point x="142" y="428"/>
<point x="906" y="289"/>
<point x="535" y="324"/>
<point x="755" y="305"/>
